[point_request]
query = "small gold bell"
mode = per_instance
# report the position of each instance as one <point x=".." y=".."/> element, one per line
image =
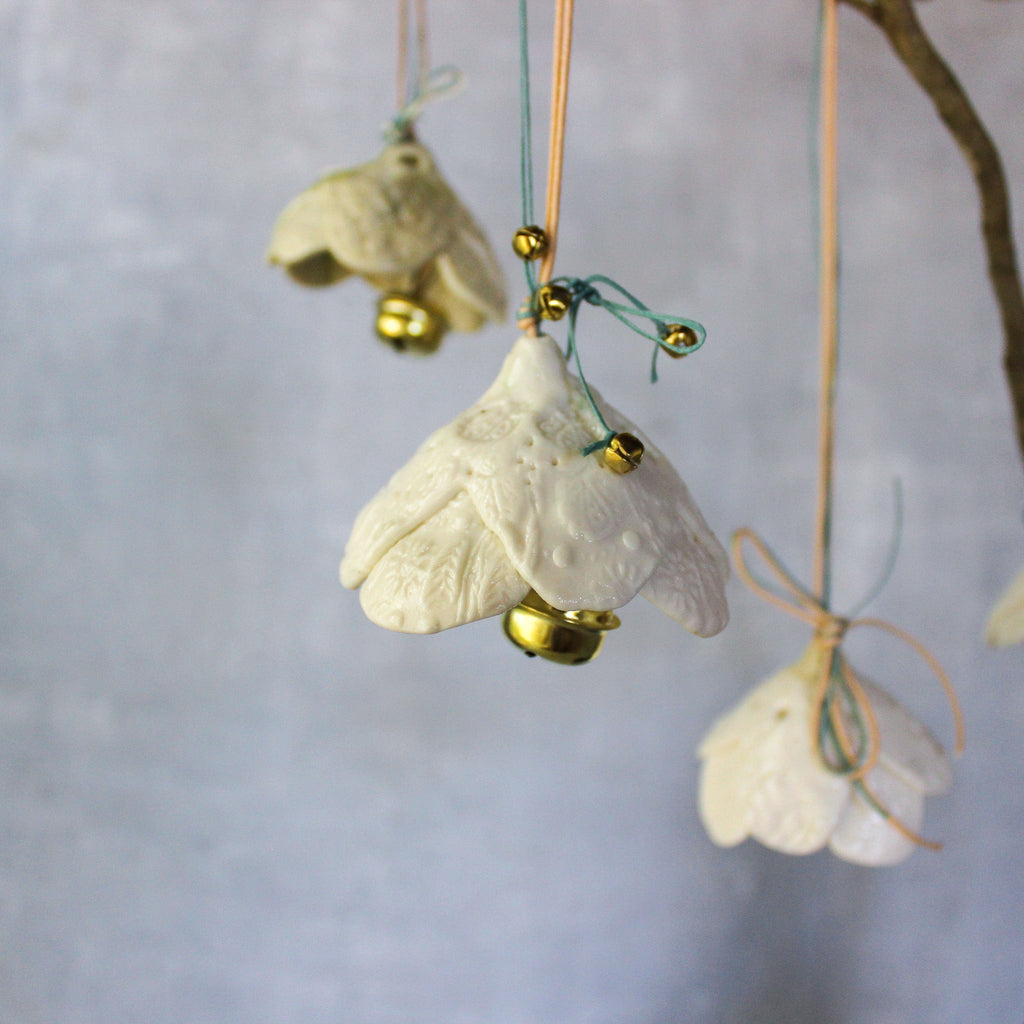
<point x="568" y="638"/>
<point x="407" y="325"/>
<point x="553" y="301"/>
<point x="623" y="453"/>
<point x="530" y="242"/>
<point x="680" y="339"/>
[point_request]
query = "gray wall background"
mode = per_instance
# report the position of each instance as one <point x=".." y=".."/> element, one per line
<point x="226" y="796"/>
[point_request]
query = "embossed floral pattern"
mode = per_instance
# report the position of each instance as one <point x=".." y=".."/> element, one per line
<point x="502" y="500"/>
<point x="762" y="775"/>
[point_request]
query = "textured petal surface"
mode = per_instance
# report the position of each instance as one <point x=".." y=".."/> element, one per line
<point x="585" y="537"/>
<point x="450" y="570"/>
<point x="421" y="488"/>
<point x="580" y="535"/>
<point x="387" y="216"/>
<point x="1006" y="623"/>
<point x="761" y="774"/>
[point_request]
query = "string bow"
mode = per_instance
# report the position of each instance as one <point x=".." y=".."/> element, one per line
<point x="839" y="698"/>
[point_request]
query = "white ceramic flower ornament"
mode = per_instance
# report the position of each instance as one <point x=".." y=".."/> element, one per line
<point x="763" y="775"/>
<point x="502" y="501"/>
<point x="395" y="222"/>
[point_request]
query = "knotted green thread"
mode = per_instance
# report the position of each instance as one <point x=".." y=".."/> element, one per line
<point x="583" y="290"/>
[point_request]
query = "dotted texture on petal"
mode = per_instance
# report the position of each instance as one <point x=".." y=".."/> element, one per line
<point x="579" y="534"/>
<point x="583" y="536"/>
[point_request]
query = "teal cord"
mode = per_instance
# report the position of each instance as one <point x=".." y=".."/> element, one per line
<point x="828" y="739"/>
<point x="583" y="290"/>
<point x="526" y="137"/>
<point x="894" y="549"/>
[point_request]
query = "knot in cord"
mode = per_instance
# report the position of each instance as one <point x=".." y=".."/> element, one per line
<point x="840" y="700"/>
<point x="830" y="629"/>
<point x="829" y="632"/>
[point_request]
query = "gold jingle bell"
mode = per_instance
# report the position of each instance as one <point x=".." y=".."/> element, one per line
<point x="680" y="339"/>
<point x="568" y="638"/>
<point x="623" y="453"/>
<point x="407" y="325"/>
<point x="553" y="301"/>
<point x="530" y="242"/>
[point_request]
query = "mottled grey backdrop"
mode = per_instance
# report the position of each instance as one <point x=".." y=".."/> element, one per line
<point x="228" y="797"/>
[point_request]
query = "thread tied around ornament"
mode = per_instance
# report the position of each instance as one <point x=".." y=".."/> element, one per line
<point x="563" y="297"/>
<point x="840" y="697"/>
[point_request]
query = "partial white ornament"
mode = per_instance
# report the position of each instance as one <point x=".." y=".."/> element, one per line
<point x="395" y="222"/>
<point x="762" y="774"/>
<point x="1006" y="623"/>
<point x="502" y="500"/>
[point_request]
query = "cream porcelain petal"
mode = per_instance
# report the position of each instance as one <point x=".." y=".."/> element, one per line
<point x="688" y="584"/>
<point x="907" y="747"/>
<point x="438" y="470"/>
<point x="719" y="800"/>
<point x="389" y="215"/>
<point x="469" y="276"/>
<point x="1006" y="622"/>
<point x="422" y="487"/>
<point x="448" y="571"/>
<point x="863" y="836"/>
<point x="791" y="801"/>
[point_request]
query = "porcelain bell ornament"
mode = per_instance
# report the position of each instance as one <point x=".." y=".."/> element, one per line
<point x="501" y="501"/>
<point x="763" y="776"/>
<point x="396" y="223"/>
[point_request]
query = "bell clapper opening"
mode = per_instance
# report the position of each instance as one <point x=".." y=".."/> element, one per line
<point x="566" y="637"/>
<point x="406" y="324"/>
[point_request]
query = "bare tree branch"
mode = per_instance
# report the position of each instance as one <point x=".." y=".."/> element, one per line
<point x="898" y="20"/>
<point x="866" y="7"/>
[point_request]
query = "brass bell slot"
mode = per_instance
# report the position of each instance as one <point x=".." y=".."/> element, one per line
<point x="408" y="325"/>
<point x="553" y="301"/>
<point x="623" y="453"/>
<point x="530" y="243"/>
<point x="568" y="638"/>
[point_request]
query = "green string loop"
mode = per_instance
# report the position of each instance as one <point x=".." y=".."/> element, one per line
<point x="584" y="290"/>
<point x="441" y="83"/>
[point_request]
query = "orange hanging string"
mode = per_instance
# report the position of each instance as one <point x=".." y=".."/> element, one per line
<point x="814" y="606"/>
<point x="562" y="52"/>
<point x="828" y="285"/>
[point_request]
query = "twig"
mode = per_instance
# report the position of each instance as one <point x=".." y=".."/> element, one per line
<point x="898" y="21"/>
